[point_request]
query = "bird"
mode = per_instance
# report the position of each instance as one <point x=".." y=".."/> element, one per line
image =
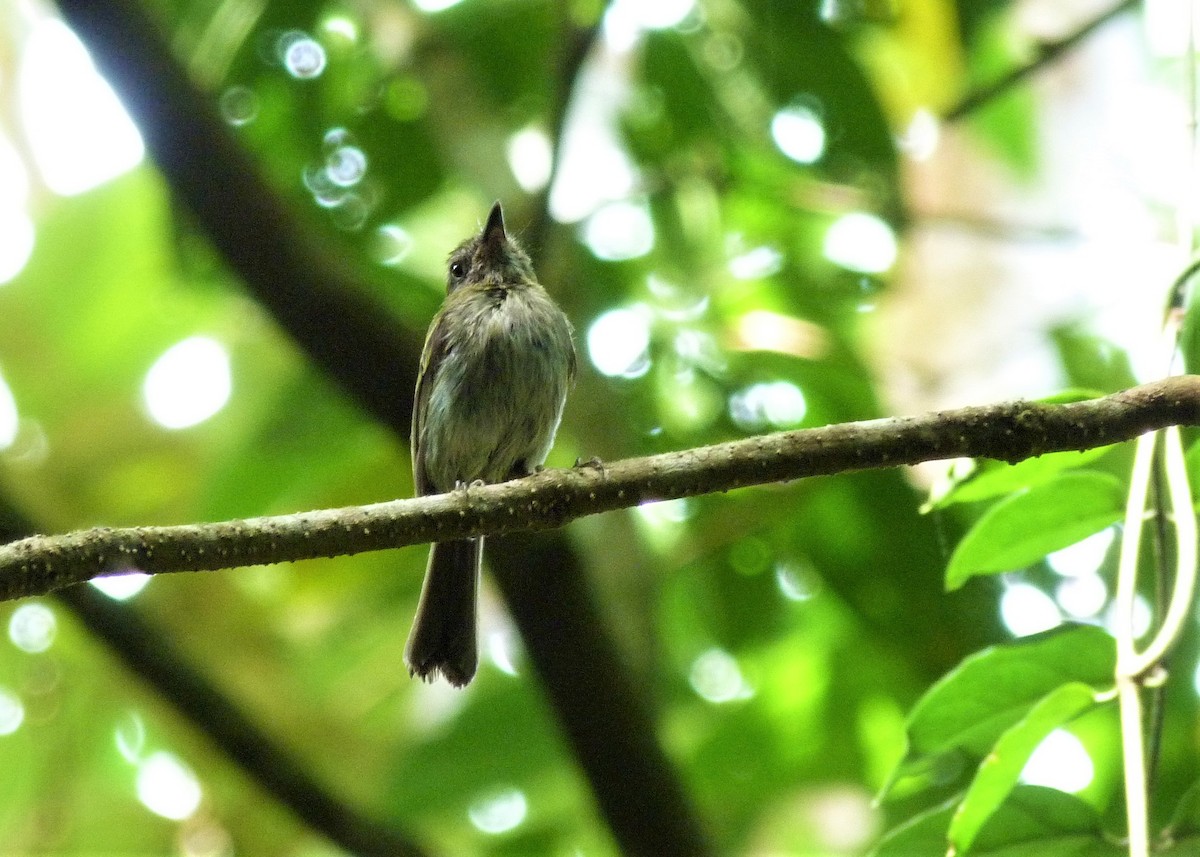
<point x="498" y="361"/>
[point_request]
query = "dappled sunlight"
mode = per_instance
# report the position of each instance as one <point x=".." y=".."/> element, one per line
<point x="499" y="812"/>
<point x="32" y="627"/>
<point x="188" y="384"/>
<point x="121" y="587"/>
<point x="168" y="787"/>
<point x="1026" y="610"/>
<point x="10" y="420"/>
<point x="530" y="157"/>
<point x="861" y="242"/>
<point x="774" y="404"/>
<point x="619" y="231"/>
<point x="301" y="55"/>
<point x="15" y="224"/>
<point x="716" y="677"/>
<point x="799" y="133"/>
<point x="12" y="711"/>
<point x="618" y="342"/>
<point x="79" y="133"/>
<point x="1084" y="557"/>
<point x="1062" y="762"/>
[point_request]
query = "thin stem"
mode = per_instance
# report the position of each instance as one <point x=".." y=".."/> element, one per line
<point x="1048" y="52"/>
<point x="1180" y="605"/>
<point x="1133" y="751"/>
<point x="1127" y="677"/>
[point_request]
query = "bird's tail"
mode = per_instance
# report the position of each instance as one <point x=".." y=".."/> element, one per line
<point x="443" y="633"/>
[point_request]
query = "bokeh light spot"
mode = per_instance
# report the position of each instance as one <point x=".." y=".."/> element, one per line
<point x="1084" y="557"/>
<point x="32" y="627"/>
<point x="619" y="231"/>
<point x="759" y="262"/>
<point x="130" y="737"/>
<point x="12" y="712"/>
<point x="340" y="25"/>
<point x="10" y="419"/>
<point x="392" y="244"/>
<point x="1082" y="596"/>
<point x="189" y="383"/>
<point x="77" y="129"/>
<point x="499" y="812"/>
<point x="716" y="677"/>
<point x="346" y="165"/>
<point x="777" y="403"/>
<point x="302" y="56"/>
<point x="238" y="105"/>
<point x="435" y="5"/>
<point x="861" y="242"/>
<point x="121" y="587"/>
<point x="1025" y="610"/>
<point x="167" y="787"/>
<point x="530" y="158"/>
<point x="15" y="224"/>
<point x="618" y="342"/>
<point x="1060" y="762"/>
<point x="799" y="134"/>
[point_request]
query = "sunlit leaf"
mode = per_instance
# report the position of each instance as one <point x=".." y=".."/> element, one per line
<point x="972" y="706"/>
<point x="1021" y="529"/>
<point x="1000" y="769"/>
<point x="996" y="478"/>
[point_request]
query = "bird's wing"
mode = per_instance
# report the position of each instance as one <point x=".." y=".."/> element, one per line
<point x="437" y="346"/>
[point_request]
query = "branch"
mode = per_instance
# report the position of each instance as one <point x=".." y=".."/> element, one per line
<point x="1047" y="53"/>
<point x="1008" y="431"/>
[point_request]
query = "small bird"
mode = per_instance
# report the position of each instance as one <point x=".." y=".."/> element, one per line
<point x="497" y="363"/>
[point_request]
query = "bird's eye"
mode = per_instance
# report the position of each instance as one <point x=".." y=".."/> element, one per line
<point x="458" y="270"/>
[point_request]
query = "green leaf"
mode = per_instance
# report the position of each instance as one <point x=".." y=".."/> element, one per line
<point x="1093" y="362"/>
<point x="1001" y="768"/>
<point x="995" y="478"/>
<point x="923" y="834"/>
<point x="1023" y="528"/>
<point x="1186" y="819"/>
<point x="973" y="705"/>
<point x="1034" y="822"/>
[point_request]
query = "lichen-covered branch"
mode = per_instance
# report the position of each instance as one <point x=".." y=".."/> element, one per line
<point x="1008" y="431"/>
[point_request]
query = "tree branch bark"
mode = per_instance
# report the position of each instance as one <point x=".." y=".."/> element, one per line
<point x="1009" y="431"/>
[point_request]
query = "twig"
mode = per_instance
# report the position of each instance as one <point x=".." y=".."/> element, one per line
<point x="1008" y="431"/>
<point x="1047" y="53"/>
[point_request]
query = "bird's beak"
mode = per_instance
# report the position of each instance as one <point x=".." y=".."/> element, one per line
<point x="493" y="230"/>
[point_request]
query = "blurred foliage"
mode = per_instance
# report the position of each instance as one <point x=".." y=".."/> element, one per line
<point x="784" y="630"/>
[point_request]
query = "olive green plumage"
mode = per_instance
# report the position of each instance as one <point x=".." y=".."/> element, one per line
<point x="497" y="363"/>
